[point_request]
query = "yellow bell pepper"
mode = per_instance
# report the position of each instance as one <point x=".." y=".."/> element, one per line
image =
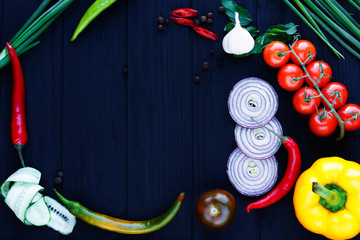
<point x="327" y="198"/>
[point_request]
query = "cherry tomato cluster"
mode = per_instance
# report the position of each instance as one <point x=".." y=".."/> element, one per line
<point x="307" y="99"/>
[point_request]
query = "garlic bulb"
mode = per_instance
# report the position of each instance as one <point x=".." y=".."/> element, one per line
<point x="238" y="41"/>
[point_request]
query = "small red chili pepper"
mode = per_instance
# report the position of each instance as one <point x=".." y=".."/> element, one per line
<point x="19" y="135"/>
<point x="182" y="21"/>
<point x="205" y="33"/>
<point x="185" y="12"/>
<point x="289" y="179"/>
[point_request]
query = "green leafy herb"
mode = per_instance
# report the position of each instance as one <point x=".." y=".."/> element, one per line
<point x="230" y="9"/>
<point x="279" y="32"/>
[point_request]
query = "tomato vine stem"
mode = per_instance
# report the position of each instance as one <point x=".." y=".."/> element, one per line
<point x="328" y="104"/>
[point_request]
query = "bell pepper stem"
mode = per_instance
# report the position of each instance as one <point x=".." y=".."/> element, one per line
<point x="328" y="195"/>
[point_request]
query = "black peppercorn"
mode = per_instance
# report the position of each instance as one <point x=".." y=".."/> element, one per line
<point x="166" y="21"/>
<point x="160" y="19"/>
<point x="221" y="9"/>
<point x="212" y="52"/>
<point x="205" y="65"/>
<point x="160" y="27"/>
<point x="197" y="79"/>
<point x="196" y="22"/>
<point x="220" y="62"/>
<point x="58" y="180"/>
<point x="203" y="19"/>
<point x="209" y="20"/>
<point x="210" y="15"/>
<point x="60" y="174"/>
<point x="125" y="71"/>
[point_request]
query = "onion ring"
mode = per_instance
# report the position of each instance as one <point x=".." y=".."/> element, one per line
<point x="259" y="143"/>
<point x="251" y="177"/>
<point x="252" y="97"/>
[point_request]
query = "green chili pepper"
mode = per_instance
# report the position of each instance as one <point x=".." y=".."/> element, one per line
<point x="94" y="10"/>
<point x="119" y="225"/>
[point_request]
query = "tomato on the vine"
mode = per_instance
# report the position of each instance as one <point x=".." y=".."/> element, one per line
<point x="350" y="111"/>
<point x="216" y="208"/>
<point x="306" y="100"/>
<point x="290" y="77"/>
<point x="276" y="54"/>
<point x="323" y="123"/>
<point x="314" y="71"/>
<point x="303" y="48"/>
<point x="337" y="92"/>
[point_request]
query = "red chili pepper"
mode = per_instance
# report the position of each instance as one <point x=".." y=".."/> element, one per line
<point x="205" y="33"/>
<point x="182" y="21"/>
<point x="19" y="135"/>
<point x="185" y="12"/>
<point x="289" y="179"/>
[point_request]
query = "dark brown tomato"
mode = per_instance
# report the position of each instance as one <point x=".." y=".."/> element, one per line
<point x="216" y="208"/>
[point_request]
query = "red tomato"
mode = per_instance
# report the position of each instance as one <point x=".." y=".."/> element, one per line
<point x="314" y="72"/>
<point x="272" y="54"/>
<point x="302" y="48"/>
<point x="348" y="111"/>
<point x="216" y="208"/>
<point x="323" y="124"/>
<point x="335" y="90"/>
<point x="305" y="102"/>
<point x="289" y="77"/>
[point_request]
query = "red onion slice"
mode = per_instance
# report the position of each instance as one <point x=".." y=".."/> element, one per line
<point x="251" y="177"/>
<point x="252" y="97"/>
<point x="259" y="143"/>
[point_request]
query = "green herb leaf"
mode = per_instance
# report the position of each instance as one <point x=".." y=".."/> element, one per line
<point x="280" y="32"/>
<point x="230" y="9"/>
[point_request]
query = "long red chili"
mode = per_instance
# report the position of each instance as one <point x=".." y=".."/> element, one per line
<point x="185" y="12"/>
<point x="182" y="21"/>
<point x="19" y="136"/>
<point x="289" y="179"/>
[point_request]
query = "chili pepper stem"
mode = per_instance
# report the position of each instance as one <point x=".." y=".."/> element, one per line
<point x="19" y="148"/>
<point x="282" y="138"/>
<point x="331" y="107"/>
<point x="67" y="203"/>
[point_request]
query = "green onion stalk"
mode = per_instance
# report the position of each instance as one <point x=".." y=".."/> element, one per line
<point x="356" y="4"/>
<point x="316" y="84"/>
<point x="41" y="19"/>
<point x="332" y="18"/>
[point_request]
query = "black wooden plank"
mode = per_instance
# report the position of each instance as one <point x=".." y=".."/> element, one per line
<point x="160" y="117"/>
<point x="94" y="115"/>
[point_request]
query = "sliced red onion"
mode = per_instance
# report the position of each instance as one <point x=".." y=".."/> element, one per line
<point x="251" y="177"/>
<point x="252" y="97"/>
<point x="259" y="143"/>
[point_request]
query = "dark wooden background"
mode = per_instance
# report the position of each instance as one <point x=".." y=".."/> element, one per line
<point x="129" y="144"/>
